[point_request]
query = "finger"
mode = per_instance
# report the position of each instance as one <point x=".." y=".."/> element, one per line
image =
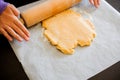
<point x="6" y="34"/>
<point x="20" y="32"/>
<point x="91" y="1"/>
<point x="14" y="34"/>
<point x="22" y="27"/>
<point x="14" y="10"/>
<point x="96" y="3"/>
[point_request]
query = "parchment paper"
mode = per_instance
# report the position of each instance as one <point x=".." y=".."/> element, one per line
<point x="42" y="61"/>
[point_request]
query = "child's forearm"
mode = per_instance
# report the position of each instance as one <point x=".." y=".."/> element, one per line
<point x="3" y="5"/>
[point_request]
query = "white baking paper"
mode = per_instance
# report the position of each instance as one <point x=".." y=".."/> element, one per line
<point x="42" y="61"/>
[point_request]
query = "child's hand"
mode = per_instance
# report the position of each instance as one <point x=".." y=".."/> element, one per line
<point x="96" y="3"/>
<point x="10" y="26"/>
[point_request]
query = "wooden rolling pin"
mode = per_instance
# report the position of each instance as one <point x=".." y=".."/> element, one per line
<point x="45" y="10"/>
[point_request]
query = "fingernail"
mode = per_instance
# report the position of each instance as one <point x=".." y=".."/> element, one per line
<point x="28" y="35"/>
<point x="10" y="39"/>
<point x="92" y="2"/>
<point x="20" y="39"/>
<point x="27" y="38"/>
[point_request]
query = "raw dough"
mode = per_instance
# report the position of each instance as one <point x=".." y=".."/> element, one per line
<point x="68" y="29"/>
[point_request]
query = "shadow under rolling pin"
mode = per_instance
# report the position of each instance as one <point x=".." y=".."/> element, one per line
<point x="45" y="10"/>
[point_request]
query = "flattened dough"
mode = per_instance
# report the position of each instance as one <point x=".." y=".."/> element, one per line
<point x="68" y="29"/>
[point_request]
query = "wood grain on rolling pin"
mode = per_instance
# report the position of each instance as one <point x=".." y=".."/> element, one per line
<point x="44" y="10"/>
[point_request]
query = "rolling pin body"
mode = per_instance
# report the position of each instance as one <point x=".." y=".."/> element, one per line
<point x="45" y="10"/>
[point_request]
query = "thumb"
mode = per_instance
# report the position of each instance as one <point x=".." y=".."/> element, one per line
<point x="14" y="10"/>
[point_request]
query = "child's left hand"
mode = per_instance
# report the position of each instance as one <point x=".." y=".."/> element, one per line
<point x="96" y="3"/>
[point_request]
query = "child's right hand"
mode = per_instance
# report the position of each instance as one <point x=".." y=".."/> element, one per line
<point x="96" y="3"/>
<point x="10" y="26"/>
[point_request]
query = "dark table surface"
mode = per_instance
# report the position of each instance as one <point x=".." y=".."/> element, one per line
<point x="11" y="68"/>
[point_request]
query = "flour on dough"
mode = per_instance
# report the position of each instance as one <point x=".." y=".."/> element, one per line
<point x="67" y="30"/>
